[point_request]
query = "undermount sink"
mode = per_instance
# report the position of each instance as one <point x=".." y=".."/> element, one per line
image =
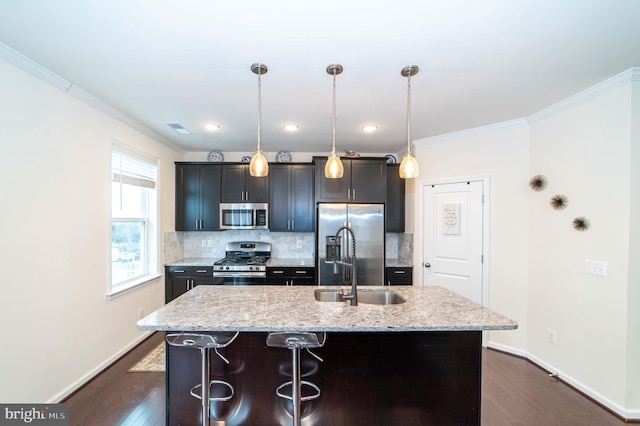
<point x="370" y="297"/>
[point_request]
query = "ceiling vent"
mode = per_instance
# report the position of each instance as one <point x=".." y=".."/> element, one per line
<point x="178" y="128"/>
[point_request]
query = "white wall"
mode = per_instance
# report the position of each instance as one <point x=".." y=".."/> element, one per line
<point x="58" y="325"/>
<point x="589" y="150"/>
<point x="584" y="152"/>
<point x="500" y="152"/>
<point x="633" y="331"/>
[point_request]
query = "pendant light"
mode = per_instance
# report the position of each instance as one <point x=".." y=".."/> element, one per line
<point x="259" y="166"/>
<point x="409" y="166"/>
<point x="333" y="169"/>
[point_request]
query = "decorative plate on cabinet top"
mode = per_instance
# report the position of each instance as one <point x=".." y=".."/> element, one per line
<point x="391" y="159"/>
<point x="283" y="157"/>
<point x="245" y="159"/>
<point x="215" y="156"/>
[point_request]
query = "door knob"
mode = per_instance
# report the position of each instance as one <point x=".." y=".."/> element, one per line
<point x="427" y="265"/>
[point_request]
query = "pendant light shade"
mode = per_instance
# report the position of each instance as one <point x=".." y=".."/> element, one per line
<point x="333" y="169"/>
<point x="409" y="166"/>
<point x="259" y="166"/>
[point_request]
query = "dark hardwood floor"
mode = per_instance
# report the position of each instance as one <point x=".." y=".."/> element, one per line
<point x="514" y="392"/>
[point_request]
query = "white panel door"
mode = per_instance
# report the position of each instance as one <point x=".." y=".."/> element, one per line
<point x="453" y="237"/>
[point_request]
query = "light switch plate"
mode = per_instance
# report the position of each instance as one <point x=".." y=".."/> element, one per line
<point x="596" y="267"/>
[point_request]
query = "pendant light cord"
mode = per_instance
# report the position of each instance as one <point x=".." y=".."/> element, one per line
<point x="333" y="118"/>
<point x="409" y="113"/>
<point x="259" y="107"/>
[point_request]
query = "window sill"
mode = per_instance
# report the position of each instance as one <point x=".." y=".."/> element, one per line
<point x="133" y="285"/>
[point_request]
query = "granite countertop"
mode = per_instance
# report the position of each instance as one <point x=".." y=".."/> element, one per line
<point x="286" y="308"/>
<point x="274" y="262"/>
<point x="284" y="262"/>
<point x="193" y="261"/>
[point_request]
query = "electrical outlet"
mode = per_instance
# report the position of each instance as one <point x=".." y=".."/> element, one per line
<point x="595" y="267"/>
<point x="208" y="243"/>
<point x="140" y="313"/>
<point x="551" y="335"/>
<point x="299" y="243"/>
<point x="204" y="243"/>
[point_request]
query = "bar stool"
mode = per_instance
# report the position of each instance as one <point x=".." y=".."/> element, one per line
<point x="295" y="342"/>
<point x="206" y="342"/>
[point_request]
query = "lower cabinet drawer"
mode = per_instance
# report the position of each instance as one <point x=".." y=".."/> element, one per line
<point x="291" y="276"/>
<point x="398" y="275"/>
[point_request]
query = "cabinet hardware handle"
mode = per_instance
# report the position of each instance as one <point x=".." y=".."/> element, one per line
<point x="293" y="224"/>
<point x="201" y="271"/>
<point x="398" y="272"/>
<point x="348" y="193"/>
<point x="301" y="272"/>
<point x="277" y="272"/>
<point x="427" y="265"/>
<point x="179" y="270"/>
<point x="354" y="193"/>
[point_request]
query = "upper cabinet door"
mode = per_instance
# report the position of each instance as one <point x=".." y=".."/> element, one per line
<point x="394" y="208"/>
<point x="233" y="183"/>
<point x="332" y="190"/>
<point x="364" y="181"/>
<point x="257" y="188"/>
<point x="279" y="193"/>
<point x="239" y="186"/>
<point x="291" y="202"/>
<point x="302" y="206"/>
<point x="369" y="181"/>
<point x="197" y="197"/>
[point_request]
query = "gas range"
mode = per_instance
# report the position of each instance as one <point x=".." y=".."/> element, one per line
<point x="245" y="262"/>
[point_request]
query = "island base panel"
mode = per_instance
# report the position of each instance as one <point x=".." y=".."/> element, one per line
<point x="408" y="378"/>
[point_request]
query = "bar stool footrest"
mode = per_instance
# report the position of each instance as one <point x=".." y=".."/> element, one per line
<point x="198" y="393"/>
<point x="302" y="398"/>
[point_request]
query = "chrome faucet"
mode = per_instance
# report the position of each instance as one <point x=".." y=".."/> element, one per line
<point x="349" y="261"/>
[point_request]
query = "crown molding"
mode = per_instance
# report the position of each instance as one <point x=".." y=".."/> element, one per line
<point x="28" y="65"/>
<point x="473" y="131"/>
<point x="625" y="77"/>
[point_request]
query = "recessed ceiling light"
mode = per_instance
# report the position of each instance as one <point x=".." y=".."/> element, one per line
<point x="290" y="127"/>
<point x="369" y="128"/>
<point x="212" y="127"/>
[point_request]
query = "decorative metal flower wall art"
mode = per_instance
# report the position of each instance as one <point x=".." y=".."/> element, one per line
<point x="581" y="223"/>
<point x="538" y="183"/>
<point x="559" y="202"/>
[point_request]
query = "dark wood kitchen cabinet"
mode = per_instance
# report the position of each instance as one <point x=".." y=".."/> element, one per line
<point x="291" y="276"/>
<point x="239" y="186"/>
<point x="364" y="181"/>
<point x="395" y="275"/>
<point x="180" y="279"/>
<point x="394" y="207"/>
<point x="197" y="197"/>
<point x="291" y="202"/>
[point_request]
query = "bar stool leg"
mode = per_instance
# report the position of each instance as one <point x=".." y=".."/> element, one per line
<point x="206" y="358"/>
<point x="295" y="386"/>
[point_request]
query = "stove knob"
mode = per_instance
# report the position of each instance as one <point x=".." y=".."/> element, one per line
<point x="226" y="267"/>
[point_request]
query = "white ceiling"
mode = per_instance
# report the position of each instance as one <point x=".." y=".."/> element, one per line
<point x="188" y="61"/>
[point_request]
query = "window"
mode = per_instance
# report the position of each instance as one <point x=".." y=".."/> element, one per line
<point x="134" y="217"/>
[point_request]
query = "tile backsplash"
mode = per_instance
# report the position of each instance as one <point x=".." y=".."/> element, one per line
<point x="295" y="245"/>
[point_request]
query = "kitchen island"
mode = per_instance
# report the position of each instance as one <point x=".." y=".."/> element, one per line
<point x="414" y="363"/>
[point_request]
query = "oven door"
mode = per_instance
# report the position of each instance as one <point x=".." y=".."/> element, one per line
<point x="239" y="278"/>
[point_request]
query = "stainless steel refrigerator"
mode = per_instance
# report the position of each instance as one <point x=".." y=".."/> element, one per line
<point x="367" y="222"/>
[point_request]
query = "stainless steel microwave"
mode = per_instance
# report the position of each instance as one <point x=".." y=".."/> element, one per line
<point x="244" y="215"/>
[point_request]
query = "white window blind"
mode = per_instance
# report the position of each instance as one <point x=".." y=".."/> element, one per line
<point x="132" y="168"/>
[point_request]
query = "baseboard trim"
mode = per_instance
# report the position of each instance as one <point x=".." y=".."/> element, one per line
<point x="632" y="416"/>
<point x="97" y="370"/>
